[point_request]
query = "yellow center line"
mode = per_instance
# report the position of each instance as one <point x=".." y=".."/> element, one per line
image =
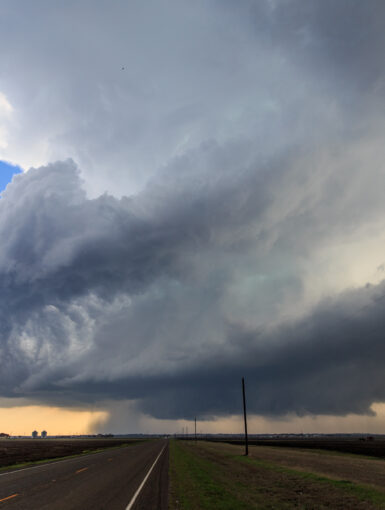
<point x="9" y="497"/>
<point x="80" y="470"/>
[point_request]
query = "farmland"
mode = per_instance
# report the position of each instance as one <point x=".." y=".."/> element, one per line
<point x="373" y="447"/>
<point x="21" y="451"/>
<point x="213" y="475"/>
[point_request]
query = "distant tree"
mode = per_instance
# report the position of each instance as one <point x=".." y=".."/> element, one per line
<point x="34" y="434"/>
<point x="44" y="434"/>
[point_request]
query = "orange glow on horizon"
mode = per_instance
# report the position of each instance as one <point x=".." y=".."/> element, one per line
<point x="20" y="421"/>
<point x="23" y="419"/>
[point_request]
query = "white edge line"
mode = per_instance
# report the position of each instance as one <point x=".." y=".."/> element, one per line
<point x="131" y="503"/>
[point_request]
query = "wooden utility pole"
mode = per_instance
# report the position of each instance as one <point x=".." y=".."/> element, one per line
<point x="245" y="417"/>
<point x="195" y="428"/>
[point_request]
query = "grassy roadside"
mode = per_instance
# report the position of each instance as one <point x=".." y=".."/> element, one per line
<point x="193" y="484"/>
<point x="20" y="465"/>
<point x="209" y="477"/>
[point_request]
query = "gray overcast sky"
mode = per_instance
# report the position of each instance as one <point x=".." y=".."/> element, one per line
<point x="206" y="201"/>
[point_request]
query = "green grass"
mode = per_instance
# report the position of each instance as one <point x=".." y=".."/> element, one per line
<point x="193" y="483"/>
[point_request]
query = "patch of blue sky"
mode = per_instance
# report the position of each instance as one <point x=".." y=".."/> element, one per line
<point x="7" y="171"/>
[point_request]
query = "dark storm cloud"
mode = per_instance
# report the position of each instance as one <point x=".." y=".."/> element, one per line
<point x="344" y="37"/>
<point x="62" y="250"/>
<point x="58" y="244"/>
<point x="330" y="362"/>
<point x="252" y="135"/>
<point x="112" y="299"/>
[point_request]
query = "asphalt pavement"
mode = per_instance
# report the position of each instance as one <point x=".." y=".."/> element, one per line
<point x="130" y="478"/>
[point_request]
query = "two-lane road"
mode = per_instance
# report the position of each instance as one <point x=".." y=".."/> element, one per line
<point x="132" y="478"/>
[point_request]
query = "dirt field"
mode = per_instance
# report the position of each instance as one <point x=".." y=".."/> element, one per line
<point x="217" y="476"/>
<point x="373" y="448"/>
<point x="340" y="467"/>
<point x="17" y="451"/>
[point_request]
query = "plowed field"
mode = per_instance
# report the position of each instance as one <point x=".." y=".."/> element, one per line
<point x="19" y="451"/>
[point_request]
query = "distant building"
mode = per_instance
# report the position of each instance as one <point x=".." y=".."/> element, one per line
<point x="44" y="434"/>
<point x="34" y="434"/>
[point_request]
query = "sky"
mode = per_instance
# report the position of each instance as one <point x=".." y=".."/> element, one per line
<point x="7" y="171"/>
<point x="201" y="199"/>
